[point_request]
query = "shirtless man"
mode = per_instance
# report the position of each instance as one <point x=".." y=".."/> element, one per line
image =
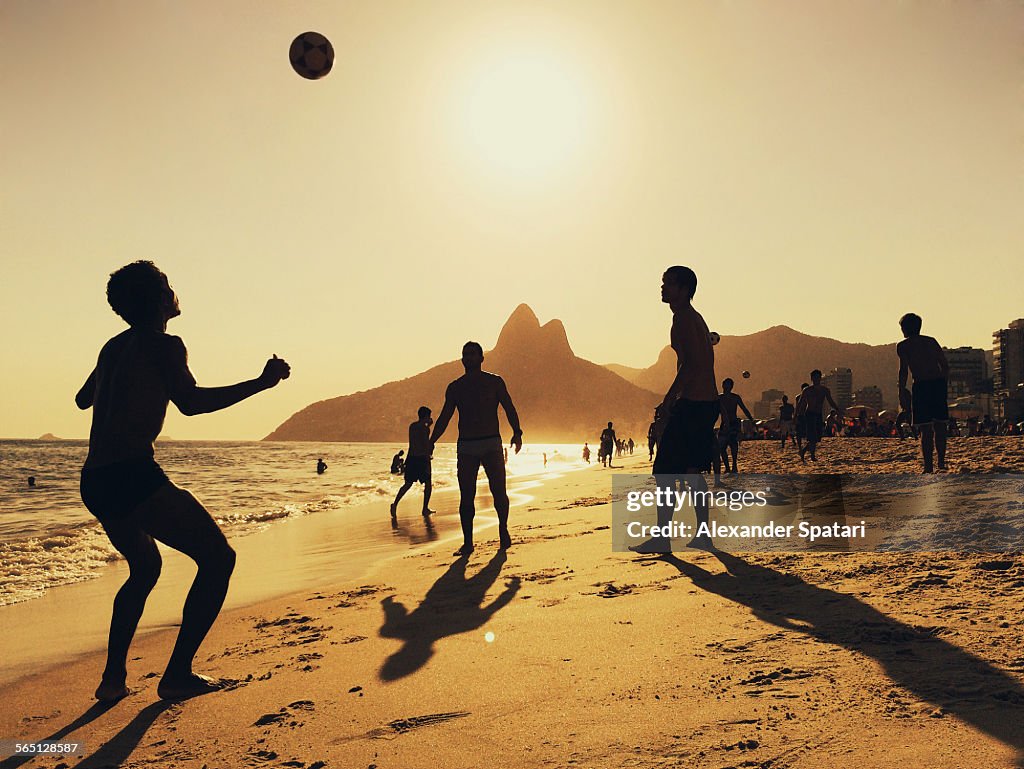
<point x="922" y="356"/>
<point x="810" y="405"/>
<point x="417" y="464"/>
<point x="687" y="443"/>
<point x="476" y="395"/>
<point x="608" y="442"/>
<point x="786" y="427"/>
<point x="730" y="401"/>
<point x="137" y="373"/>
<point x="801" y="419"/>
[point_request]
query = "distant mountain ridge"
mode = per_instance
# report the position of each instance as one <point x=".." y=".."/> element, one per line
<point x="560" y="398"/>
<point x="780" y="358"/>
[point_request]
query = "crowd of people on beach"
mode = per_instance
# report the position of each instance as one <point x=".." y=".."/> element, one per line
<point x="143" y="369"/>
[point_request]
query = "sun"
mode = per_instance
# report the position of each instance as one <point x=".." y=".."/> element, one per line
<point x="523" y="115"/>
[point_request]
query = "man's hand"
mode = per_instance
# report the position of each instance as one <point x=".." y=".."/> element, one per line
<point x="517" y="441"/>
<point x="905" y="399"/>
<point x="274" y="371"/>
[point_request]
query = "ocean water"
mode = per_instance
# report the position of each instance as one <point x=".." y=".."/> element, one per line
<point x="49" y="539"/>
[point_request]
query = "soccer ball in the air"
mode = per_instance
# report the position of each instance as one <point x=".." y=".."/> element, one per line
<point x="311" y="55"/>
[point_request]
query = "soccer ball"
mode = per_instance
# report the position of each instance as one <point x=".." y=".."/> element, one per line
<point x="746" y="375"/>
<point x="311" y="55"/>
<point x="713" y="337"/>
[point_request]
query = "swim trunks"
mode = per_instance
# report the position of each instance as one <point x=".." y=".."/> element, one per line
<point x="786" y="427"/>
<point x="814" y="427"/>
<point x="113" y="491"/>
<point x="479" y="447"/>
<point x="689" y="437"/>
<point x="929" y="401"/>
<point x="417" y="469"/>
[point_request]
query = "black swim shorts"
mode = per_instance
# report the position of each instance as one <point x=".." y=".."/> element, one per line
<point x="113" y="491"/>
<point x="929" y="402"/>
<point x="417" y="469"/>
<point x="689" y="438"/>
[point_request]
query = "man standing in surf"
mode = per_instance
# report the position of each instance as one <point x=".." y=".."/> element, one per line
<point x="477" y="395"/>
<point x="137" y="373"/>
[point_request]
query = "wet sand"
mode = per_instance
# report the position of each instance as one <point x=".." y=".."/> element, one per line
<point x="565" y="653"/>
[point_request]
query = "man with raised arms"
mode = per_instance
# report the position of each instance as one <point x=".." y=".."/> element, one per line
<point x="923" y="357"/>
<point x="136" y="374"/>
<point x="692" y="405"/>
<point x="476" y="395"/>
<point x="810" y="404"/>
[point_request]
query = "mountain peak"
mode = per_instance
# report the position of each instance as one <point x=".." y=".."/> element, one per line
<point x="522" y="323"/>
<point x="522" y="334"/>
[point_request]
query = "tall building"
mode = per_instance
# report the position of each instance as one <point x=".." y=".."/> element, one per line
<point x="768" y="406"/>
<point x="870" y="396"/>
<point x="968" y="371"/>
<point x="1008" y="370"/>
<point x="840" y="381"/>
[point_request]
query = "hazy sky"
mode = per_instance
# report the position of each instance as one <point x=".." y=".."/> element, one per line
<point x="827" y="166"/>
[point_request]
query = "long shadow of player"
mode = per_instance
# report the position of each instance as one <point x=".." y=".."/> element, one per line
<point x="453" y="605"/>
<point x="115" y="750"/>
<point x="934" y="670"/>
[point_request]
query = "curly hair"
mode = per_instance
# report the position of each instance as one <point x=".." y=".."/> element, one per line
<point x="137" y="291"/>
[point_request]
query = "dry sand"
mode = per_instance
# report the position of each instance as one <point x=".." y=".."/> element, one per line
<point x="567" y="654"/>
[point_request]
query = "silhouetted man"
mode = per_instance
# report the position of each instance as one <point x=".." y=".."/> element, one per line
<point x="417" y="463"/>
<point x="686" y="445"/>
<point x="730" y="401"/>
<point x="810" y="405"/>
<point x="321" y="466"/>
<point x="922" y="356"/>
<point x="477" y="395"/>
<point x="608" y="445"/>
<point x="398" y="463"/>
<point x="787" y="428"/>
<point x="137" y="373"/>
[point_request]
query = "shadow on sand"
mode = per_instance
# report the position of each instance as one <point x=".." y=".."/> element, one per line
<point x="115" y="751"/>
<point x="965" y="686"/>
<point x="453" y="605"/>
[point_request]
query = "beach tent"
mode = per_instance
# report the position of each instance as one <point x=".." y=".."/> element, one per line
<point x="854" y="411"/>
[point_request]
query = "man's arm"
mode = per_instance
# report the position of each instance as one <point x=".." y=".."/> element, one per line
<point x="85" y="396"/>
<point x="828" y="396"/>
<point x="513" y="416"/>
<point x="904" y="373"/>
<point x="444" y="417"/>
<point x="943" y="363"/>
<point x="744" y="407"/>
<point x="191" y="399"/>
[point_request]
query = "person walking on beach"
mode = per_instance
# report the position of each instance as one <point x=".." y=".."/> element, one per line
<point x="687" y="443"/>
<point x="586" y="452"/>
<point x="417" y="463"/>
<point x="607" y="445"/>
<point x="652" y="439"/>
<point x="137" y="373"/>
<point x="730" y="401"/>
<point x="321" y="466"/>
<point x="811" y="405"/>
<point x="801" y="418"/>
<point x="787" y="428"/>
<point x="923" y="357"/>
<point x="477" y="395"/>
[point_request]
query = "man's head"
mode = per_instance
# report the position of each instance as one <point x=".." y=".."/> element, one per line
<point x="472" y="356"/>
<point x="678" y="284"/>
<point x="424" y="413"/>
<point x="785" y="399"/>
<point x="816" y="376"/>
<point x="401" y="451"/>
<point x="140" y="293"/>
<point x="727" y="385"/>
<point x="804" y="386"/>
<point x="609" y="425"/>
<point x="911" y="324"/>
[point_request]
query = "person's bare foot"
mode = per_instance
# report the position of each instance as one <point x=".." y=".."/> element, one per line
<point x="394" y="509"/>
<point x="427" y="513"/>
<point x="504" y="540"/>
<point x="111" y="691"/>
<point x="464" y="551"/>
<point x="658" y="545"/>
<point x="703" y="542"/>
<point x="193" y="685"/>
